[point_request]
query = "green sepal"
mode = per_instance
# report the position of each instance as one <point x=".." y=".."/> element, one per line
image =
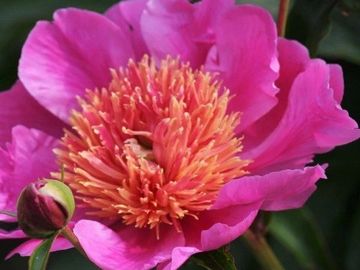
<point x="61" y="193"/>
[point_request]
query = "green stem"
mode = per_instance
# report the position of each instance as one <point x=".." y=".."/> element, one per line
<point x="69" y="235"/>
<point x="263" y="251"/>
<point x="282" y="17"/>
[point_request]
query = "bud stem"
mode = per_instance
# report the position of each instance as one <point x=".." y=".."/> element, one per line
<point x="8" y="213"/>
<point x="262" y="251"/>
<point x="282" y="17"/>
<point x="69" y="235"/>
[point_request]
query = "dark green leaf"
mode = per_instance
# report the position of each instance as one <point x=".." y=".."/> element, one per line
<point x="309" y="22"/>
<point x="220" y="259"/>
<point x="298" y="232"/>
<point x="39" y="258"/>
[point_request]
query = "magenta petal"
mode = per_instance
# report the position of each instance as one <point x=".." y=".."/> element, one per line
<point x="313" y="122"/>
<point x="178" y="257"/>
<point x="214" y="229"/>
<point x="130" y="248"/>
<point x="171" y="19"/>
<point x="337" y="82"/>
<point x="19" y="108"/>
<point x="126" y="15"/>
<point x="228" y="224"/>
<point x="293" y="58"/>
<point x="61" y="59"/>
<point x="26" y="248"/>
<point x="12" y="234"/>
<point x="184" y="29"/>
<point x="27" y="158"/>
<point x="246" y="59"/>
<point x="276" y="191"/>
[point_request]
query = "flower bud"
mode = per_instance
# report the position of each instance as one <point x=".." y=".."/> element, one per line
<point x="44" y="207"/>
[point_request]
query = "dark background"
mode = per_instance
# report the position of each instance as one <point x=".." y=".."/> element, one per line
<point x="325" y="234"/>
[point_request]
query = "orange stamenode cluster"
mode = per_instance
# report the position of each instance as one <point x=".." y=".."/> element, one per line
<point x="154" y="147"/>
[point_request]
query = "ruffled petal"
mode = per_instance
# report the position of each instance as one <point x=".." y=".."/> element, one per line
<point x="126" y="15"/>
<point x="312" y="122"/>
<point x="27" y="248"/>
<point x="19" y="108"/>
<point x="245" y="56"/>
<point x="129" y="248"/>
<point x="293" y="58"/>
<point x="183" y="29"/>
<point x="275" y="191"/>
<point x="27" y="158"/>
<point x="60" y="59"/>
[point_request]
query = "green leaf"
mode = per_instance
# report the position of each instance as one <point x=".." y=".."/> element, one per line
<point x="298" y="232"/>
<point x="39" y="258"/>
<point x="309" y="22"/>
<point x="220" y="259"/>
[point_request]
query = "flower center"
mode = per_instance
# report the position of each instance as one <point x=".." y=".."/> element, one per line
<point x="155" y="146"/>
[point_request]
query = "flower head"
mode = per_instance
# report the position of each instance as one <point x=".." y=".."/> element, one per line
<point x="172" y="153"/>
<point x="154" y="147"/>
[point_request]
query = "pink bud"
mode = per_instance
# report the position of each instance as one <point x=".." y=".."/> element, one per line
<point x="44" y="207"/>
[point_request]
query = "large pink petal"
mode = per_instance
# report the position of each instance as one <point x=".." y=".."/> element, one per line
<point x="183" y="29"/>
<point x="313" y="122"/>
<point x="245" y="56"/>
<point x="276" y="191"/>
<point x="127" y="14"/>
<point x="28" y="157"/>
<point x="128" y="248"/>
<point x="60" y="59"/>
<point x="26" y="248"/>
<point x="19" y="108"/>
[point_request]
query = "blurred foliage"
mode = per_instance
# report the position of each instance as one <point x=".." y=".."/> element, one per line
<point x="310" y="30"/>
<point x="327" y="230"/>
<point x="343" y="41"/>
<point x="298" y="232"/>
<point x="18" y="17"/>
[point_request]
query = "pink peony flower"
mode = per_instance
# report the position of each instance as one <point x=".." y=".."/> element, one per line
<point x="176" y="152"/>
